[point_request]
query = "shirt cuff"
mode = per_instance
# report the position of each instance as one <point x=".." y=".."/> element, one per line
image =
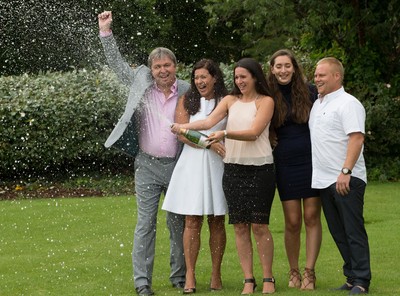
<point x="105" y="34"/>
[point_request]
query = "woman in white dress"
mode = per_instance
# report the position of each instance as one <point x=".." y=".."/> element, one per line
<point x="195" y="188"/>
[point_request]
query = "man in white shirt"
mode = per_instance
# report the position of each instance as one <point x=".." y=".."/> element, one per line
<point x="337" y="126"/>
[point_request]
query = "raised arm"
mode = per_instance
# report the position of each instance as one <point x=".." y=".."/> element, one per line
<point x="118" y="64"/>
<point x="105" y="21"/>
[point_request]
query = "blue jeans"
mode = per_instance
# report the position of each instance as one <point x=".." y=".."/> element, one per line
<point x="152" y="176"/>
<point x="344" y="215"/>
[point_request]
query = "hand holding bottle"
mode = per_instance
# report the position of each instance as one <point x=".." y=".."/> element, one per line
<point x="193" y="136"/>
<point x="176" y="128"/>
<point x="217" y="136"/>
<point x="213" y="141"/>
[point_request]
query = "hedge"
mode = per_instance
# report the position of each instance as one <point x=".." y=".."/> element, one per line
<point x="53" y="122"/>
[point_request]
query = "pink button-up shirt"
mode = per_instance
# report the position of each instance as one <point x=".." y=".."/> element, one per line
<point x="158" y="113"/>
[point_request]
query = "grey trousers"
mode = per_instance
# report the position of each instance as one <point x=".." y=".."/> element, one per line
<point x="152" y="176"/>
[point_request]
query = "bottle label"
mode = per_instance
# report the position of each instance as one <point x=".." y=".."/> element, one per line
<point x="203" y="142"/>
<point x="196" y="137"/>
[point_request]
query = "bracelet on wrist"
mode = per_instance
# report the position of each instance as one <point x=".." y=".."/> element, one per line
<point x="225" y="133"/>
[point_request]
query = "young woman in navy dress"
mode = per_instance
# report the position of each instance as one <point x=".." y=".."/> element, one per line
<point x="292" y="157"/>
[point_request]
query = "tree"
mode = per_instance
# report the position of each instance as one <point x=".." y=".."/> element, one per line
<point x="58" y="35"/>
<point x="364" y="34"/>
<point x="251" y="28"/>
<point x="187" y="34"/>
<point x="44" y="35"/>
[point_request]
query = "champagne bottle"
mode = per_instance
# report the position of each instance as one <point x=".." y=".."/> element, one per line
<point x="195" y="137"/>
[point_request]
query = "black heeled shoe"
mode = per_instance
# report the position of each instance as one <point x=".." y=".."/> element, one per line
<point x="250" y="281"/>
<point x="269" y="280"/>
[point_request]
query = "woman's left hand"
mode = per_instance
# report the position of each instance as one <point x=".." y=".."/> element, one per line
<point x="215" y="137"/>
<point x="219" y="148"/>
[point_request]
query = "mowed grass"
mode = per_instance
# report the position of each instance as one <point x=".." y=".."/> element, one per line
<point x="82" y="246"/>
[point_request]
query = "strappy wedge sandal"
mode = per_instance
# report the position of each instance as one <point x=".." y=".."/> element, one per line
<point x="294" y="278"/>
<point x="309" y="279"/>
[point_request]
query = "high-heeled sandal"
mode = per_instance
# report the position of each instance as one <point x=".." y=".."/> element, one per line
<point x="294" y="278"/>
<point x="250" y="281"/>
<point x="309" y="279"/>
<point x="189" y="290"/>
<point x="269" y="280"/>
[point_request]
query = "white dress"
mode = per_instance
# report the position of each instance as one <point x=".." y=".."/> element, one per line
<point x="196" y="183"/>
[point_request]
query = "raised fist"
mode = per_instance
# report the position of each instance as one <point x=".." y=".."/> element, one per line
<point x="105" y="20"/>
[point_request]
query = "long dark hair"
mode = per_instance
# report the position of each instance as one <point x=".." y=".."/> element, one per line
<point x="300" y="93"/>
<point x="192" y="96"/>
<point x="256" y="71"/>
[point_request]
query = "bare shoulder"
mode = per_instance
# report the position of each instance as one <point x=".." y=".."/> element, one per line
<point x="267" y="98"/>
<point x="264" y="101"/>
<point x="229" y="100"/>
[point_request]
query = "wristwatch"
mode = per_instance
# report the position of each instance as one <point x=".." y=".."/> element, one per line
<point x="346" y="171"/>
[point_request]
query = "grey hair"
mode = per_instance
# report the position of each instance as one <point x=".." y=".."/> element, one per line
<point x="159" y="53"/>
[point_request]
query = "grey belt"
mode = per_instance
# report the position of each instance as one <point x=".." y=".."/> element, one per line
<point x="163" y="160"/>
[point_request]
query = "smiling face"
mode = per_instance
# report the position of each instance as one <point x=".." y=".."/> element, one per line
<point x="327" y="78"/>
<point x="283" y="69"/>
<point x="244" y="81"/>
<point x="163" y="71"/>
<point x="204" y="83"/>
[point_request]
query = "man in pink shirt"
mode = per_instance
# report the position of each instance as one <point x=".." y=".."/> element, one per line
<point x="143" y="131"/>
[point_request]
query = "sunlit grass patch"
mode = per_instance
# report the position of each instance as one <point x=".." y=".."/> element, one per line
<point x="82" y="246"/>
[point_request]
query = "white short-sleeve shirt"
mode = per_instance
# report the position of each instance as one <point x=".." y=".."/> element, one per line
<point x="332" y="119"/>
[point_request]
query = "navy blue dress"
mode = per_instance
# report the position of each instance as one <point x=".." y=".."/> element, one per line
<point x="292" y="155"/>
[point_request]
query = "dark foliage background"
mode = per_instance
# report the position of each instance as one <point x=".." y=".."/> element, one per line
<point x="57" y="36"/>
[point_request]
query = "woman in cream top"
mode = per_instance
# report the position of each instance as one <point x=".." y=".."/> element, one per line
<point x="258" y="152"/>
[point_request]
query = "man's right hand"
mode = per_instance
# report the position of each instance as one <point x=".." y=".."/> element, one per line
<point x="105" y="20"/>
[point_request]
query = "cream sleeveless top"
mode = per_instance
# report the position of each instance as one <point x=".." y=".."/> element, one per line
<point x="258" y="152"/>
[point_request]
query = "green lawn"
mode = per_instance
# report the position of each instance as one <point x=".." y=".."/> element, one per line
<point x="82" y="246"/>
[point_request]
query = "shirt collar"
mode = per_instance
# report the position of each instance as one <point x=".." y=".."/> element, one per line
<point x="174" y="87"/>
<point x="331" y="95"/>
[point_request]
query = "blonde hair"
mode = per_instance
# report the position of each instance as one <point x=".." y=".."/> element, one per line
<point x="337" y="65"/>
